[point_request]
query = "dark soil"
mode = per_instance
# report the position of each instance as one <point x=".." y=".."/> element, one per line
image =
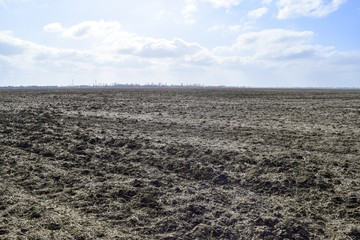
<point x="180" y="164"/>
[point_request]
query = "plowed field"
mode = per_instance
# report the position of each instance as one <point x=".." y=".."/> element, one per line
<point x="179" y="164"/>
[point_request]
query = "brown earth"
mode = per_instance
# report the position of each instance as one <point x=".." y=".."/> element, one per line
<point x="180" y="164"/>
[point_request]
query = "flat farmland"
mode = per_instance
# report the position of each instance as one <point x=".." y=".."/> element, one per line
<point x="179" y="164"/>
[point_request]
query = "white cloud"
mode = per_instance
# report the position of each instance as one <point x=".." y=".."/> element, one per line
<point x="162" y="48"/>
<point x="255" y="58"/>
<point x="224" y="3"/>
<point x="276" y="44"/>
<point x="243" y="27"/>
<point x="85" y="29"/>
<point x="287" y="58"/>
<point x="10" y="46"/>
<point x="112" y="40"/>
<point x="31" y="53"/>
<point x="258" y="13"/>
<point x="188" y="12"/>
<point x="38" y="62"/>
<point x="308" y="8"/>
<point x="115" y="56"/>
<point x="53" y="27"/>
<point x="286" y="8"/>
<point x="351" y="59"/>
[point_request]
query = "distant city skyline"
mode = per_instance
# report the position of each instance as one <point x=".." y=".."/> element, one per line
<point x="252" y="43"/>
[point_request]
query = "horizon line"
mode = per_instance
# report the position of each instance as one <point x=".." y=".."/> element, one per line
<point x="164" y="86"/>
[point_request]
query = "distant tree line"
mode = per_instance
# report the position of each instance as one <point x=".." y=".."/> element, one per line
<point x="116" y="85"/>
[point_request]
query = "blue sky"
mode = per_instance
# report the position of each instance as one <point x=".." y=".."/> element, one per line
<point x="257" y="43"/>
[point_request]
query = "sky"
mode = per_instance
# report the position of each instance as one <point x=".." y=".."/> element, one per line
<point x="251" y="43"/>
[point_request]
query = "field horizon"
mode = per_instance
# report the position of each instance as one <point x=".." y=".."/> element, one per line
<point x="165" y="86"/>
